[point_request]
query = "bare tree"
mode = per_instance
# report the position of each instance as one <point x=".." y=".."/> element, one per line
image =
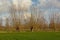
<point x="52" y="21"/>
<point x="15" y="17"/>
<point x="57" y="21"/>
<point x="1" y="24"/>
<point x="7" y="25"/>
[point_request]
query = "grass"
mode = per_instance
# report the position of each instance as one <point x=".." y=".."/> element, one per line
<point x="30" y="36"/>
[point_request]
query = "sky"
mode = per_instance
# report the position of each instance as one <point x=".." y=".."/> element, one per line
<point x="46" y="6"/>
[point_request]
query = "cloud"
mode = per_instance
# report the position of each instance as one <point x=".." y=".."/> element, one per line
<point x="42" y="2"/>
<point x="55" y="3"/>
<point x="0" y="3"/>
<point x="4" y="18"/>
<point x="15" y="2"/>
<point x="25" y="3"/>
<point x="50" y="3"/>
<point x="27" y="15"/>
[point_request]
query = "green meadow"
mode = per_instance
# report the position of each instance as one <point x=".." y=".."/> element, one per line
<point x="30" y="36"/>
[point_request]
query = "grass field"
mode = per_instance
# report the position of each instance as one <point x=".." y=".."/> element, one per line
<point x="30" y="36"/>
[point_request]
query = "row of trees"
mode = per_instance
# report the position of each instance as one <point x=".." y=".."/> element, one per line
<point x="36" y="22"/>
<point x="38" y="25"/>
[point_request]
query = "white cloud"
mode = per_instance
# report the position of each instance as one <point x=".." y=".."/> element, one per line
<point x="47" y="3"/>
<point x="42" y="2"/>
<point x="55" y="3"/>
<point x="15" y="2"/>
<point x="1" y="3"/>
<point x="4" y="18"/>
<point x="25" y="3"/>
<point x="27" y="15"/>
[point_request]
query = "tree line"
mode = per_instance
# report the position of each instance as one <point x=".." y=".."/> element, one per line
<point x="36" y="22"/>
